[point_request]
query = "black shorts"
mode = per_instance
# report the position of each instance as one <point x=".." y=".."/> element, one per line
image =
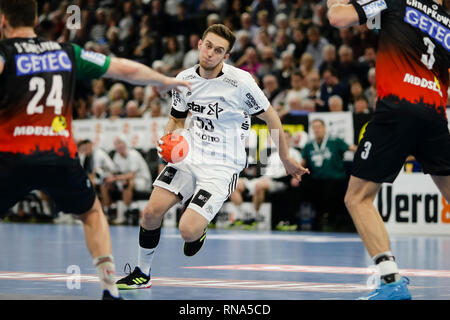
<point x="394" y="133"/>
<point x="66" y="183"/>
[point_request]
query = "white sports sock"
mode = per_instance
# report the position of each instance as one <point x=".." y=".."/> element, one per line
<point x="387" y="267"/>
<point x="145" y="259"/>
<point x="105" y="271"/>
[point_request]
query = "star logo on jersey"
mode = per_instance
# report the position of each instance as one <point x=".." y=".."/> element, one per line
<point x="214" y="110"/>
<point x="210" y="110"/>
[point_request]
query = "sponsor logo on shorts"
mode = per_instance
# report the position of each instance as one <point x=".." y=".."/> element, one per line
<point x="167" y="175"/>
<point x="201" y="198"/>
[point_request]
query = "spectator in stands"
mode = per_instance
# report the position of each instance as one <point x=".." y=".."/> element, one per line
<point x="145" y="51"/>
<point x="181" y="22"/>
<point x="307" y="64"/>
<point x="348" y="68"/>
<point x="324" y="156"/>
<point x="335" y="103"/>
<point x="132" y="109"/>
<point x="191" y="57"/>
<point x="286" y="70"/>
<point x="173" y="56"/>
<point x="100" y="108"/>
<point x="98" y="30"/>
<point x="98" y="165"/>
<point x="299" y="43"/>
<point x="243" y="41"/>
<point x="281" y="43"/>
<point x="118" y="91"/>
<point x="138" y="94"/>
<point x="332" y="86"/>
<point x="273" y="180"/>
<point x="366" y="38"/>
<point x="371" y="91"/>
<point x="234" y="10"/>
<point x="298" y="85"/>
<point x="248" y="25"/>
<point x="80" y="109"/>
<point x="284" y="6"/>
<point x="127" y="21"/>
<point x="302" y="13"/>
<point x="356" y="90"/>
<point x="329" y="58"/>
<point x="313" y="85"/>
<point x="256" y="6"/>
<point x="315" y="45"/>
<point x="249" y="61"/>
<point x="272" y="90"/>
<point x="132" y="176"/>
<point x="282" y="23"/>
<point x="98" y="88"/>
<point x="268" y="63"/>
<point x="158" y="19"/>
<point x="296" y="107"/>
<point x="262" y="19"/>
<point x="116" y="109"/>
<point x="212" y="18"/>
<point x="262" y="40"/>
<point x="361" y="105"/>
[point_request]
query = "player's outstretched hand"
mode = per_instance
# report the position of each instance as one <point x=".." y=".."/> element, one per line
<point x="294" y="169"/>
<point x="172" y="83"/>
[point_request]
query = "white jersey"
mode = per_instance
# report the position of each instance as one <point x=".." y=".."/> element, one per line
<point x="221" y="110"/>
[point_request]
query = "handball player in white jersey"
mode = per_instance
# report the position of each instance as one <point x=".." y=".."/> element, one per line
<point x="221" y="101"/>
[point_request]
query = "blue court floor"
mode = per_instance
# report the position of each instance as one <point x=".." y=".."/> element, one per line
<point x="51" y="262"/>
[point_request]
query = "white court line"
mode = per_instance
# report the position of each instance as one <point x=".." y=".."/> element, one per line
<point x="323" y="269"/>
<point x="196" y="282"/>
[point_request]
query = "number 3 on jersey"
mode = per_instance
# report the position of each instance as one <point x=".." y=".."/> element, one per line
<point x="54" y="98"/>
<point x="428" y="59"/>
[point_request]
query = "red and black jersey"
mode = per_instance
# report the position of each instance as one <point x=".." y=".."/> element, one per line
<point x="37" y="87"/>
<point x="413" y="58"/>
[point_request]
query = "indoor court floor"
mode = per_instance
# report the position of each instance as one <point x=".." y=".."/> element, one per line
<point x="51" y="262"/>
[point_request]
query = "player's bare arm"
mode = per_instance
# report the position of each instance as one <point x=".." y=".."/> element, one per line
<point x="273" y="123"/>
<point x="174" y="124"/>
<point x="341" y="14"/>
<point x="139" y="74"/>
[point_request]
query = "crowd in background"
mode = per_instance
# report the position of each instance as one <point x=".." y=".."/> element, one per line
<point x="298" y="59"/>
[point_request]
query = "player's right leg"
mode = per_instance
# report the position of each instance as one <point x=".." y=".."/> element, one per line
<point x="359" y="201"/>
<point x="161" y="200"/>
<point x="174" y="184"/>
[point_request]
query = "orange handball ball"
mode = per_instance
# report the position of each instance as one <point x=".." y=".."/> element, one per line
<point x="174" y="148"/>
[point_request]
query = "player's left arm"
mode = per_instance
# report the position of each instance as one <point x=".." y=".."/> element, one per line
<point x="140" y="74"/>
<point x="93" y="65"/>
<point x="293" y="167"/>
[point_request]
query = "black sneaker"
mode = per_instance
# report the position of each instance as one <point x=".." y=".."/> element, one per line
<point x="134" y="280"/>
<point x="108" y="296"/>
<point x="191" y="248"/>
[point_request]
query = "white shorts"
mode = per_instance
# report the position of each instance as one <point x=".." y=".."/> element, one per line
<point x="209" y="186"/>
